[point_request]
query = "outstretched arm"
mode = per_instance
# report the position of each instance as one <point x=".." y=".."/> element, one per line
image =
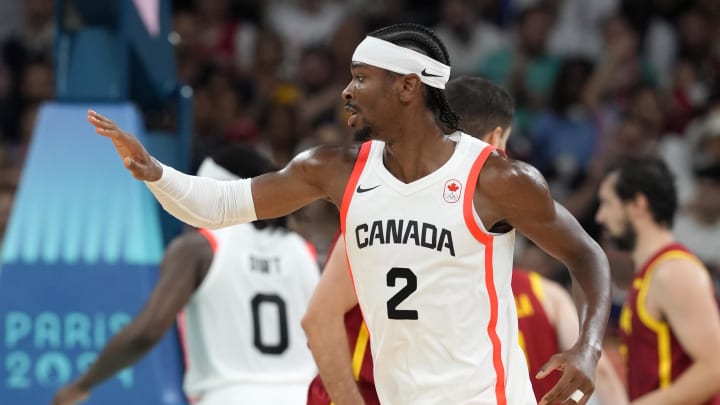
<point x="185" y="263"/>
<point x="515" y="193"/>
<point x="324" y="325"/>
<point x="209" y="203"/>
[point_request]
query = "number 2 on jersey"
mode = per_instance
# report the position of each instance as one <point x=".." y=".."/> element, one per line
<point x="410" y="287"/>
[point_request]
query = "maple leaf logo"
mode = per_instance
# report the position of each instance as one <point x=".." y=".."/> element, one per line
<point x="452" y="191"/>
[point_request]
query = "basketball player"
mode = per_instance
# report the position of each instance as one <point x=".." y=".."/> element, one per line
<point x="546" y="315"/>
<point x="253" y="353"/>
<point x="670" y="323"/>
<point x="419" y="210"/>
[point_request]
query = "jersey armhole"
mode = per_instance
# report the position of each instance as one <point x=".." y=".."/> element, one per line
<point x="213" y="242"/>
<point x="360" y="163"/>
<point x="477" y="229"/>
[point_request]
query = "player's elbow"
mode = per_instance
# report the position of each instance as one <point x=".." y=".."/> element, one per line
<point x="147" y="338"/>
<point x="314" y="322"/>
<point x="309" y="323"/>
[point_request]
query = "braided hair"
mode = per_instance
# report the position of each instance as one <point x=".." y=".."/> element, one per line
<point x="423" y="40"/>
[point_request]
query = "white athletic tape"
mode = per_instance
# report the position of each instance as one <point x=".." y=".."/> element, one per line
<point x="577" y="396"/>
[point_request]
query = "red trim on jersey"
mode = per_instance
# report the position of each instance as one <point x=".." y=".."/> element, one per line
<point x="182" y="335"/>
<point x="470" y="187"/>
<point x="311" y="248"/>
<point x="210" y="238"/>
<point x="352" y="182"/>
<point x="332" y="246"/>
<point x="649" y="262"/>
<point x="347" y="198"/>
<point x="487" y="240"/>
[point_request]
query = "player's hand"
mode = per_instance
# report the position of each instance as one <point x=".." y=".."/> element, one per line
<point x="71" y="394"/>
<point x="578" y="374"/>
<point x="133" y="153"/>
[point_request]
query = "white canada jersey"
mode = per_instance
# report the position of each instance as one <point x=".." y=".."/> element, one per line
<point x="242" y="325"/>
<point x="433" y="284"/>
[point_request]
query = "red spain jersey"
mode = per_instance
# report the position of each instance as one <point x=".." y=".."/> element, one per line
<point x="361" y="363"/>
<point x="653" y="355"/>
<point x="537" y="335"/>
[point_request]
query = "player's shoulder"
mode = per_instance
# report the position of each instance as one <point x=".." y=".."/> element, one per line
<point x="324" y="156"/>
<point x="189" y="250"/>
<point x="192" y="242"/>
<point x="680" y="272"/>
<point x="512" y="186"/>
<point x="502" y="170"/>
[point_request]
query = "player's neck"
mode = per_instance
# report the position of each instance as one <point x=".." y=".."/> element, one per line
<point x="417" y="148"/>
<point x="650" y="239"/>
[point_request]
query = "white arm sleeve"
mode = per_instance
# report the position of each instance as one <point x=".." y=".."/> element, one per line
<point x="204" y="202"/>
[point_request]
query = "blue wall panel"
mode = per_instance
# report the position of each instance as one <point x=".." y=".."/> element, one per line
<point x="79" y="258"/>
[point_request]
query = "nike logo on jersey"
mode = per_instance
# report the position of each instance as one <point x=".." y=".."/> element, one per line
<point x="426" y="74"/>
<point x="362" y="190"/>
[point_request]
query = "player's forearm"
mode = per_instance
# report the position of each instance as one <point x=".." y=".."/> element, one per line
<point x="330" y="348"/>
<point x="591" y="290"/>
<point x="123" y="350"/>
<point x="694" y="387"/>
<point x="204" y="202"/>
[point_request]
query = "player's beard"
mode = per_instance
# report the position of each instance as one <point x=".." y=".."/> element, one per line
<point x="362" y="134"/>
<point x="627" y="239"/>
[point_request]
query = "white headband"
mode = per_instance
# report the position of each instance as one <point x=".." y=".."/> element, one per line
<point x="208" y="168"/>
<point x="388" y="56"/>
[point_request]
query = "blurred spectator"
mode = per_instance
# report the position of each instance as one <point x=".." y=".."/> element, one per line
<point x="281" y="125"/>
<point x="221" y="112"/>
<point x="699" y="223"/>
<point x="695" y="43"/>
<point x="526" y="69"/>
<point x="564" y="135"/>
<point x="632" y="137"/>
<point x="688" y="95"/>
<point x="188" y="50"/>
<point x="38" y="82"/>
<point x="37" y="32"/>
<point x="319" y="88"/>
<point x="343" y="42"/>
<point x="10" y="17"/>
<point x="578" y="30"/>
<point x="225" y="39"/>
<point x="267" y="70"/>
<point x="646" y="105"/>
<point x="466" y="36"/>
<point x="708" y="148"/>
<point x="381" y="13"/>
<point x="620" y="72"/>
<point x="301" y="23"/>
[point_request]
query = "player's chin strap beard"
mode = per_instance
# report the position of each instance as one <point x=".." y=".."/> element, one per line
<point x="385" y="55"/>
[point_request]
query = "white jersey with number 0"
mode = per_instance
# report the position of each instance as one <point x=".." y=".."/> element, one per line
<point x="242" y="334"/>
<point x="433" y="284"/>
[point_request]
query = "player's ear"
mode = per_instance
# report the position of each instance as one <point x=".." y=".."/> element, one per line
<point x="411" y="87"/>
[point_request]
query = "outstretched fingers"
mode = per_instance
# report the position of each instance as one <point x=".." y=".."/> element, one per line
<point x="103" y="125"/>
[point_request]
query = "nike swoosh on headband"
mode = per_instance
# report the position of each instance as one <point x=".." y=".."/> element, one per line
<point x="426" y="74"/>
